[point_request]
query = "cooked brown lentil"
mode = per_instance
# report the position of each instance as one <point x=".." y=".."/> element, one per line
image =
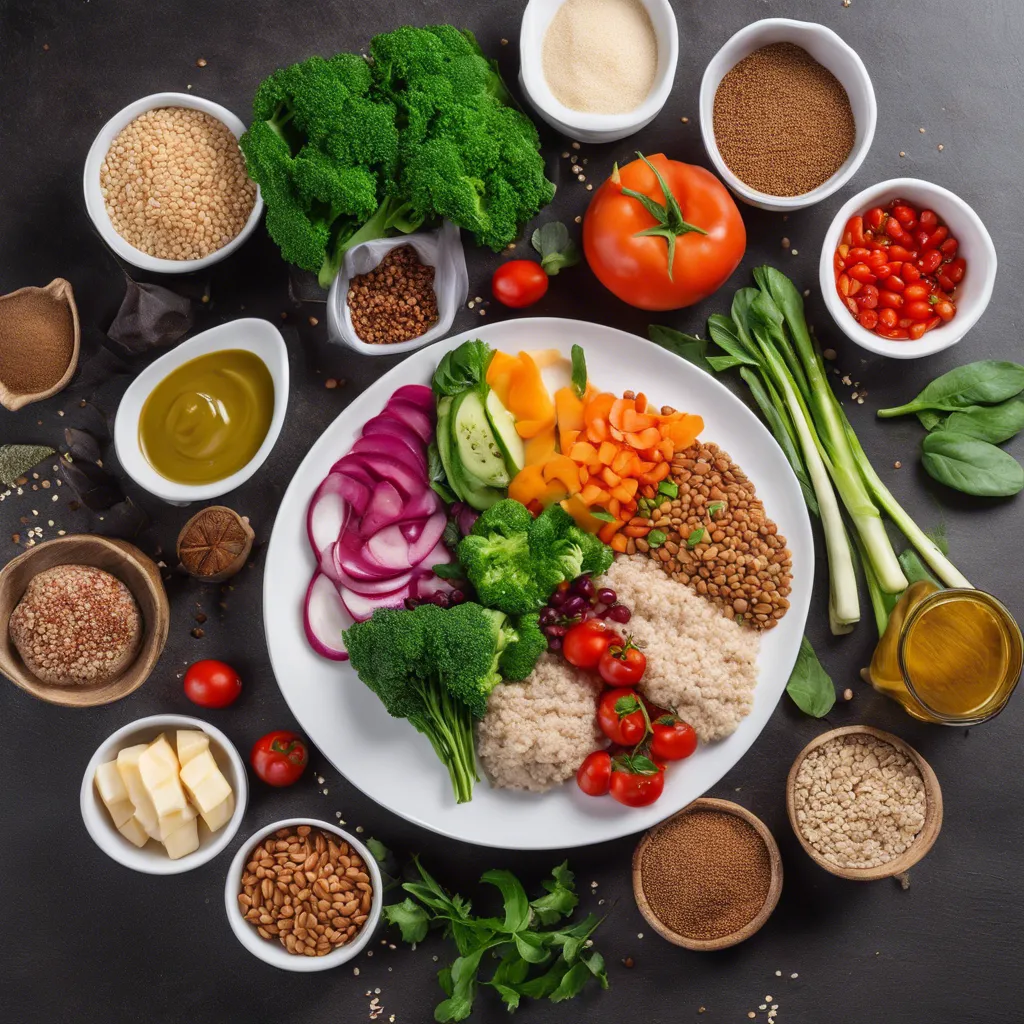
<point x="705" y="874"/>
<point x="310" y="891"/>
<point x="175" y="185"/>
<point x="395" y="301"/>
<point x="718" y="539"/>
<point x="783" y="122"/>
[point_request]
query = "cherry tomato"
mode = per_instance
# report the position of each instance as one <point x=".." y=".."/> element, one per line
<point x="585" y="643"/>
<point x="279" y="758"/>
<point x="594" y="776"/>
<point x="212" y="684"/>
<point x="622" y="664"/>
<point x="519" y="283"/>
<point x="634" y="264"/>
<point x="673" y="739"/>
<point x="636" y="789"/>
<point x="621" y="717"/>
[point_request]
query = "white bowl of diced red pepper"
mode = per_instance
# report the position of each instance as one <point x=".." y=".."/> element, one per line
<point x="907" y="268"/>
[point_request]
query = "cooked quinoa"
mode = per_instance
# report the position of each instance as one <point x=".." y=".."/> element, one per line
<point x="699" y="663"/>
<point x="536" y="733"/>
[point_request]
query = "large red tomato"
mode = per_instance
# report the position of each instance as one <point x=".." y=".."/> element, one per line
<point x="695" y="222"/>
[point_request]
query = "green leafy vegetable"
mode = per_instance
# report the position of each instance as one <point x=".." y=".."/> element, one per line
<point x="462" y="369"/>
<point x="992" y="423"/>
<point x="971" y="466"/>
<point x="714" y="508"/>
<point x="656" y="538"/>
<point x="686" y="346"/>
<point x="983" y="383"/>
<point x="605" y="517"/>
<point x="668" y="489"/>
<point x="931" y="420"/>
<point x="579" y="371"/>
<point x="537" y="958"/>
<point x="438" y="478"/>
<point x="696" y="536"/>
<point x="557" y="250"/>
<point x="809" y="684"/>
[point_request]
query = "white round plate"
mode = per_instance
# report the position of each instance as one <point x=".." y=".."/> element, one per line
<point x="391" y="762"/>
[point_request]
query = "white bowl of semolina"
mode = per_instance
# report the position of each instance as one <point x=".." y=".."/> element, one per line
<point x="166" y="186"/>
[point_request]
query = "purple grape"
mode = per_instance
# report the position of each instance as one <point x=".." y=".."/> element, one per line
<point x="619" y="613"/>
<point x="456" y="597"/>
<point x="584" y="586"/>
<point x="548" y="616"/>
<point x="557" y="599"/>
<point x="574" y="606"/>
<point x="411" y="603"/>
<point x="558" y="631"/>
<point x="440" y="599"/>
<point x="554" y="643"/>
<point x="607" y="596"/>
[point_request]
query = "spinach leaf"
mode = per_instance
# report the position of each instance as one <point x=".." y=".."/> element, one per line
<point x="410" y="918"/>
<point x="557" y="250"/>
<point x="809" y="684"/>
<point x="579" y="371"/>
<point x="686" y="346"/>
<point x="438" y="478"/>
<point x="992" y="423"/>
<point x="971" y="466"/>
<point x="931" y="420"/>
<point x="983" y="383"/>
<point x="463" y="368"/>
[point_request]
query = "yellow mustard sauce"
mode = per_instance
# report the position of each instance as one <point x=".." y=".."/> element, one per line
<point x="207" y="419"/>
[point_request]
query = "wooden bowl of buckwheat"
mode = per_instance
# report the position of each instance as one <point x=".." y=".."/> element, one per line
<point x="863" y="803"/>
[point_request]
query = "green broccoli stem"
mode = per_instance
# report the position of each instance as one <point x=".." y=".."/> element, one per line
<point x="448" y="724"/>
<point x="393" y="216"/>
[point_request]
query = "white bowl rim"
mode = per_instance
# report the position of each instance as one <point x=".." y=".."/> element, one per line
<point x="860" y="151"/>
<point x="126" y="423"/>
<point x="942" y="337"/>
<point x="97" y="209"/>
<point x="116" y="847"/>
<point x="272" y="952"/>
<point x="531" y="42"/>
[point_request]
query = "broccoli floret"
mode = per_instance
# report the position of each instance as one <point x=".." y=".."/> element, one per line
<point x="518" y="659"/>
<point x="597" y="556"/>
<point x="507" y="518"/>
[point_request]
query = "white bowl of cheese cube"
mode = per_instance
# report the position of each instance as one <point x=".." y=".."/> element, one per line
<point x="164" y="794"/>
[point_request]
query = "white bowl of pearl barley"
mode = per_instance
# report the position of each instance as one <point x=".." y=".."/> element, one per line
<point x="166" y="186"/>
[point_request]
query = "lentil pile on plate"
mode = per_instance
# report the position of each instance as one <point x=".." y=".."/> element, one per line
<point x="175" y="185"/>
<point x="715" y="537"/>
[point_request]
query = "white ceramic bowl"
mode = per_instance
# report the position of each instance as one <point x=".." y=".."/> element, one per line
<point x="828" y="50"/>
<point x="270" y="951"/>
<point x="577" y="124"/>
<point x="151" y="859"/>
<point x="258" y="336"/>
<point x="97" y="209"/>
<point x="973" y="293"/>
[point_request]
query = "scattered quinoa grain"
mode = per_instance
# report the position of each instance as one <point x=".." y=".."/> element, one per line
<point x="201" y="62"/>
<point x="847" y="694"/>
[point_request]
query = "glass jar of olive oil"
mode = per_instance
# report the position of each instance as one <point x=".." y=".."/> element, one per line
<point x="948" y="656"/>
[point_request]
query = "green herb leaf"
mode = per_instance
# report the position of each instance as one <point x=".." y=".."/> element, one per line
<point x="410" y="917"/>
<point x="556" y="248"/>
<point x="517" y="906"/>
<point x="696" y="536"/>
<point x="931" y="420"/>
<point x="992" y="423"/>
<point x="462" y="368"/>
<point x="809" y="684"/>
<point x="634" y="764"/>
<point x="971" y="466"/>
<point x="626" y="706"/>
<point x="656" y="538"/>
<point x="561" y="899"/>
<point x="714" y="508"/>
<point x="449" y="571"/>
<point x="579" y="371"/>
<point x="668" y="489"/>
<point x="686" y="346"/>
<point x="983" y="383"/>
<point x="572" y="983"/>
<point x="572" y="940"/>
<point x="438" y="478"/>
<point x="531" y="946"/>
<point x="459" y="1005"/>
<point x="599" y="513"/>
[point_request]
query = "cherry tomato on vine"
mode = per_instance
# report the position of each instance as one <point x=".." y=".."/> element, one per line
<point x="279" y="758"/>
<point x="637" y="781"/>
<point x="585" y="643"/>
<point x="212" y="684"/>
<point x="594" y="776"/>
<point x="622" y="663"/>
<point x="621" y="717"/>
<point x="519" y="283"/>
<point x="673" y="739"/>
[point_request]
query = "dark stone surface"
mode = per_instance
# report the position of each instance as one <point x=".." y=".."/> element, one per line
<point x="86" y="939"/>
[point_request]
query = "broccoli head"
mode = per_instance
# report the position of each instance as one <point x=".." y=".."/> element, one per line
<point x="519" y="658"/>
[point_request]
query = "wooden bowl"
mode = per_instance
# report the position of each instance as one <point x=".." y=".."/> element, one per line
<point x="125" y="561"/>
<point x="932" y="809"/>
<point x="774" y="885"/>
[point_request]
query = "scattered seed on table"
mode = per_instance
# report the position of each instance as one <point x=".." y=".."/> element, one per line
<point x="313" y="321"/>
<point x="941" y="148"/>
<point x="201" y="63"/>
<point x="847" y="694"/>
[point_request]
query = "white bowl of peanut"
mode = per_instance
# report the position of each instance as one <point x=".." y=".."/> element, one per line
<point x="303" y="895"/>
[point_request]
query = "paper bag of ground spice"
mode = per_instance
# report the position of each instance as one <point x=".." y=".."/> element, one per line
<point x="440" y="249"/>
<point x="150" y="317"/>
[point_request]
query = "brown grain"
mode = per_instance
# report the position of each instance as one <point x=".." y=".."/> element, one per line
<point x="395" y="301"/>
<point x="783" y="122"/>
<point x="37" y="339"/>
<point x="706" y="874"/>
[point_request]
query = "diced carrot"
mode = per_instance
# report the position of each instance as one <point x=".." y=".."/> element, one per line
<point x="598" y="430"/>
<point x="528" y="398"/>
<point x="636" y="531"/>
<point x="594" y="495"/>
<point x="610" y="478"/>
<point x="575" y="507"/>
<point x="598" y="407"/>
<point x="584" y="476"/>
<point x="640" y="402"/>
<point x="606" y="453"/>
<point x="647" y="491"/>
<point x="564" y="470"/>
<point x="499" y="374"/>
<point x="622" y="461"/>
<point x="540" y="447"/>
<point x="621" y="494"/>
<point x="657" y="474"/>
<point x="585" y="452"/>
<point x="618" y="543"/>
<point x="630" y="485"/>
<point x="617" y="434"/>
<point x="568" y="410"/>
<point x="608" y="530"/>
<point x="615" y="507"/>
<point x="648" y="438"/>
<point x="667" y="448"/>
<point x="618" y="410"/>
<point x="567" y="438"/>
<point x="634" y="421"/>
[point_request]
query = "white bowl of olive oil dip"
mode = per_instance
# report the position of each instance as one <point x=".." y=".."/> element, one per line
<point x="201" y="420"/>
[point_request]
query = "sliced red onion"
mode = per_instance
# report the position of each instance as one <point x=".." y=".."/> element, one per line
<point x="324" y="618"/>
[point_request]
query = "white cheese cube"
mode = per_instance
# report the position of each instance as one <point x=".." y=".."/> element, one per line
<point x="169" y="823"/>
<point x="110" y="784"/>
<point x="128" y="767"/>
<point x="205" y="784"/>
<point x="217" y="817"/>
<point x="158" y="767"/>
<point x="182" y="840"/>
<point x="190" y="743"/>
<point x="133" y="831"/>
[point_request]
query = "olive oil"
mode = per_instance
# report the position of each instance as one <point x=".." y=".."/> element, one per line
<point x="948" y="656"/>
<point x="205" y="420"/>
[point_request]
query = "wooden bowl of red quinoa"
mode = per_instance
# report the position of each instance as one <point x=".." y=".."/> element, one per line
<point x="122" y="560"/>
